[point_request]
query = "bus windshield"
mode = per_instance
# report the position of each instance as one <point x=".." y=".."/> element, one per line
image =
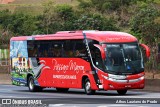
<point x="123" y="58"/>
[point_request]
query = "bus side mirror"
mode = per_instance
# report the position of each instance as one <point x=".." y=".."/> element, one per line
<point x="147" y="50"/>
<point x="103" y="54"/>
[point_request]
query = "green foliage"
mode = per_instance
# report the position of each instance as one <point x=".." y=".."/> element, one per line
<point x="4" y="18"/>
<point x="47" y="19"/>
<point x="94" y="21"/>
<point x="144" y="22"/>
<point x="159" y="66"/>
<point x="105" y="5"/>
<point x="19" y="23"/>
<point x="65" y="12"/>
<point x="148" y="65"/>
<point x="85" y="4"/>
<point x="66" y="16"/>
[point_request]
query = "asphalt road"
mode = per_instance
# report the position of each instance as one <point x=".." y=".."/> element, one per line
<point x="77" y="97"/>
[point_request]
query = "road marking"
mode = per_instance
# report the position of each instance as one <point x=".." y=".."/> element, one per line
<point x="56" y="105"/>
<point x="121" y="105"/>
<point x="144" y="106"/>
<point x="4" y="96"/>
<point x="5" y="90"/>
<point x="102" y="106"/>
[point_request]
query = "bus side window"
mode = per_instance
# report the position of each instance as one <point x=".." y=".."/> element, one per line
<point x="75" y="48"/>
<point x="58" y="49"/>
<point x="80" y="50"/>
<point x="68" y="49"/>
<point x="32" y="49"/>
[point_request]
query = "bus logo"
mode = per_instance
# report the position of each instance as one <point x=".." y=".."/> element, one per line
<point x="6" y="101"/>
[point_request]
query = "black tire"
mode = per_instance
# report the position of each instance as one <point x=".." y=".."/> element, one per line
<point x="62" y="89"/>
<point x="32" y="87"/>
<point x="122" y="92"/>
<point x="87" y="87"/>
<point x="39" y="89"/>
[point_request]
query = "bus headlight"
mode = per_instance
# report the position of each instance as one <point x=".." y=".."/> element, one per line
<point x="141" y="78"/>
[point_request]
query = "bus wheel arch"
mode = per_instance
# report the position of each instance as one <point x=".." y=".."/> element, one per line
<point x="28" y="76"/>
<point x="83" y="80"/>
<point x="87" y="85"/>
<point x="30" y="83"/>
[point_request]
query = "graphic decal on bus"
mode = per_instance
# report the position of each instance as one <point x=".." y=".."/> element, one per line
<point x="73" y="66"/>
<point x="18" y="49"/>
<point x="19" y="56"/>
<point x="21" y="64"/>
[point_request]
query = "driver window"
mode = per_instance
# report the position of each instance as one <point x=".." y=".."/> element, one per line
<point x="96" y="57"/>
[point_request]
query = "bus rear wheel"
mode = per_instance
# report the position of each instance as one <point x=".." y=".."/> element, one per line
<point x="32" y="87"/>
<point x="87" y="87"/>
<point x="122" y="92"/>
<point x="62" y="89"/>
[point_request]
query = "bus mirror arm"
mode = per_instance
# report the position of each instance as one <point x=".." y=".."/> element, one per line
<point x="103" y="54"/>
<point x="146" y="49"/>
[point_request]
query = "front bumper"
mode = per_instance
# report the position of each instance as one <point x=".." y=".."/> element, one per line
<point x="116" y="85"/>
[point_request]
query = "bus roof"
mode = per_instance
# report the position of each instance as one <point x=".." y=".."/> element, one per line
<point x="101" y="36"/>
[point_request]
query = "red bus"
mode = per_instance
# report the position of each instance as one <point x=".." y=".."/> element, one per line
<point x="93" y="60"/>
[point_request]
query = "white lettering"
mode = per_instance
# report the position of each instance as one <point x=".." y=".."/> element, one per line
<point x="117" y="38"/>
<point x="152" y="102"/>
<point x="19" y="101"/>
<point x="64" y="76"/>
<point x="134" y="101"/>
<point x="121" y="101"/>
<point x="73" y="66"/>
<point x="34" y="102"/>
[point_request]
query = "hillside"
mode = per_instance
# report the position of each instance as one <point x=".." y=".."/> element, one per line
<point x="30" y="6"/>
<point x="35" y="1"/>
<point x="6" y="1"/>
<point x="40" y="1"/>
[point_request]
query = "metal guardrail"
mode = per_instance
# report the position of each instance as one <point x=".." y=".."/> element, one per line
<point x="4" y="62"/>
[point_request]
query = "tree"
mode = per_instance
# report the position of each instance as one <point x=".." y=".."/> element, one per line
<point x="5" y="19"/>
<point x="95" y="22"/>
<point x="5" y="36"/>
<point x="47" y="16"/>
<point x="18" y="23"/>
<point x="66" y="16"/>
<point x="105" y="5"/>
<point x="146" y="23"/>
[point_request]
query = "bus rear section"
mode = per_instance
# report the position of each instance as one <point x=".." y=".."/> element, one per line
<point x="93" y="60"/>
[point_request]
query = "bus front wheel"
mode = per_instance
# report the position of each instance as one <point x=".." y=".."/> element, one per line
<point x="32" y="87"/>
<point x="122" y="92"/>
<point x="87" y="87"/>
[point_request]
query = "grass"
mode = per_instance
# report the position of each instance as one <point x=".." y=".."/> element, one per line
<point x="33" y="6"/>
<point x="29" y="9"/>
<point x="28" y="1"/>
<point x="71" y="2"/>
<point x="157" y="1"/>
<point x="32" y="9"/>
